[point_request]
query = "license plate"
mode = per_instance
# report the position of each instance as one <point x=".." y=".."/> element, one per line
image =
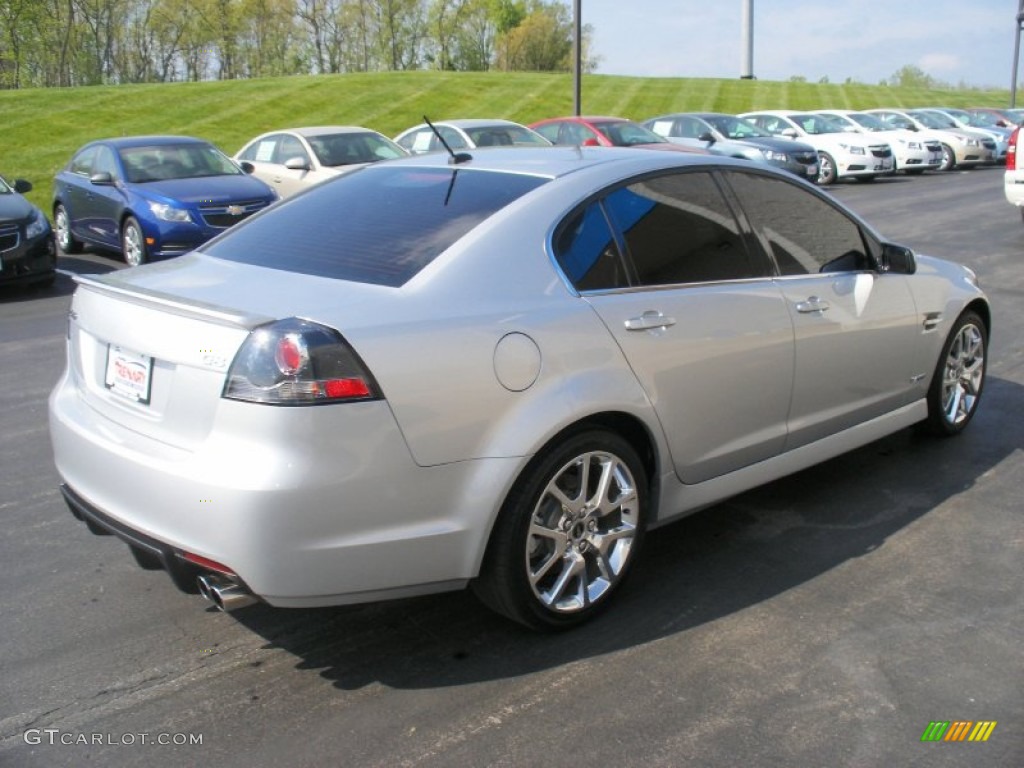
<point x="128" y="374"/>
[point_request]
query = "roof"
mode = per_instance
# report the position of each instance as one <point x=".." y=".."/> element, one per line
<point x="151" y="141"/>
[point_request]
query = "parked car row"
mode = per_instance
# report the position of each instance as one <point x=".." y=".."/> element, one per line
<point x="153" y="197"/>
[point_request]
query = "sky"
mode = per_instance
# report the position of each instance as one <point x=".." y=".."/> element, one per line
<point x="954" y="41"/>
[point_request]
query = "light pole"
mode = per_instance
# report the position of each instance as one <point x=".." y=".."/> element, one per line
<point x="747" y="39"/>
<point x="578" y="56"/>
<point x="1016" y="55"/>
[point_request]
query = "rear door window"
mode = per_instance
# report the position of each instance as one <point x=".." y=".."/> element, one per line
<point x="679" y="229"/>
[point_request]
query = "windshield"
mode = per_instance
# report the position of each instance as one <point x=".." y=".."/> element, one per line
<point x="4" y="189"/>
<point x="396" y="220"/>
<point x="816" y="124"/>
<point x="336" y="149"/>
<point x="736" y="128"/>
<point x="504" y="135"/>
<point x="933" y="119"/>
<point x="870" y="122"/>
<point x="983" y="120"/>
<point x="627" y="134"/>
<point x="175" y="161"/>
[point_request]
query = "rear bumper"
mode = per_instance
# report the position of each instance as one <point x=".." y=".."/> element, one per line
<point x="308" y="507"/>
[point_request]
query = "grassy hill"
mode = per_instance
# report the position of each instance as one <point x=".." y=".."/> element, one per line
<point x="45" y="126"/>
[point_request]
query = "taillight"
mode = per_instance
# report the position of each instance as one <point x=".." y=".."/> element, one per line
<point x="1011" y="151"/>
<point x="298" y="362"/>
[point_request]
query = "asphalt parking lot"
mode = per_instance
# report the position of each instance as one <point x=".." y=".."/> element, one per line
<point x="823" y="620"/>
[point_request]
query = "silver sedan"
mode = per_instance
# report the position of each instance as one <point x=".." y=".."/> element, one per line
<point x="496" y="371"/>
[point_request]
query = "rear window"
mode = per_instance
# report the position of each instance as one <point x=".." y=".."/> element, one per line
<point x="380" y="225"/>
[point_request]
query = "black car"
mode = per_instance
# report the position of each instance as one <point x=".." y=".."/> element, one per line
<point x="27" y="254"/>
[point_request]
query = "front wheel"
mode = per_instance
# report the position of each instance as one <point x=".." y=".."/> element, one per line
<point x="948" y="158"/>
<point x="959" y="377"/>
<point x="826" y="169"/>
<point x="62" y="224"/>
<point x="567" y="534"/>
<point x="133" y="243"/>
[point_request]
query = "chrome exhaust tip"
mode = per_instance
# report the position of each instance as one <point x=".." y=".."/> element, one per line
<point x="225" y="593"/>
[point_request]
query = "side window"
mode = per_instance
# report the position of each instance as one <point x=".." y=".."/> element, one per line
<point x="261" y="151"/>
<point x="105" y="162"/>
<point x="549" y="132"/>
<point x="291" y="147"/>
<point x="586" y="251"/>
<point x="453" y="137"/>
<point x="679" y="229"/>
<point x="806" y="234"/>
<point x="82" y="162"/>
<point x="690" y="128"/>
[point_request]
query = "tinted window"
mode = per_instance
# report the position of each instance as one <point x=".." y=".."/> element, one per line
<point x="381" y="225"/>
<point x="678" y="229"/>
<point x="106" y="163"/>
<point x="586" y="250"/>
<point x="806" y="233"/>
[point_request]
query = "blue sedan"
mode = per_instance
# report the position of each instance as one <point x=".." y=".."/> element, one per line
<point x="151" y="197"/>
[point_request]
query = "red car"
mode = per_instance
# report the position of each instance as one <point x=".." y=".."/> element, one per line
<point x="605" y="132"/>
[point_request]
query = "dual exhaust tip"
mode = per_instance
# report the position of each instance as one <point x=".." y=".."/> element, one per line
<point x="225" y="593"/>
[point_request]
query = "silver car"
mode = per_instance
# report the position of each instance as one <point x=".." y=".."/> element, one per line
<point x="496" y="371"/>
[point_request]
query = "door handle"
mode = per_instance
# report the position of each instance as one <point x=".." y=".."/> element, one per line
<point x="811" y="305"/>
<point x="649" y="320"/>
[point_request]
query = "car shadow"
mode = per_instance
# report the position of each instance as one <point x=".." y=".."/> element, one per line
<point x="717" y="562"/>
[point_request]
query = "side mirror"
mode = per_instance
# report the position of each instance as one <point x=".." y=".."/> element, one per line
<point x="897" y="259"/>
<point x="101" y="179"/>
<point x="296" y="164"/>
<point x="789" y="133"/>
<point x="246" y="166"/>
<point x="590" y="143"/>
<point x="21" y="186"/>
<point x="706" y="136"/>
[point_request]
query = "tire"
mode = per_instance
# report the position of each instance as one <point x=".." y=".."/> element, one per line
<point x="826" y="169"/>
<point x="133" y="243"/>
<point x="959" y="377"/>
<point x="559" y="551"/>
<point x="62" y="229"/>
<point x="948" y="158"/>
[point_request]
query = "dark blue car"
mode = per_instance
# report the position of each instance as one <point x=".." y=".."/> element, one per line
<point x="151" y="197"/>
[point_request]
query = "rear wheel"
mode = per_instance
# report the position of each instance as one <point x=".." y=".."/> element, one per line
<point x="826" y="169"/>
<point x="133" y="242"/>
<point x="62" y="225"/>
<point x="959" y="377"/>
<point x="568" y="533"/>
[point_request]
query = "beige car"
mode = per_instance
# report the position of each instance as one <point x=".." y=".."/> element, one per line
<point x="295" y="158"/>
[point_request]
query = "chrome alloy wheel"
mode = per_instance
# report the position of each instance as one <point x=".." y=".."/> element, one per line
<point x="963" y="375"/>
<point x="581" y="532"/>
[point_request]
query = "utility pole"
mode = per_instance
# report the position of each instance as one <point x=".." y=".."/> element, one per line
<point x="747" y="39"/>
<point x="578" y="56"/>
<point x="1016" y="55"/>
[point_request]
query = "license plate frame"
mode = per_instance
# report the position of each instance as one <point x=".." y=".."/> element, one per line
<point x="128" y="374"/>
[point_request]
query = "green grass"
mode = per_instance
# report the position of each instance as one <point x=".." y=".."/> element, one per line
<point x="45" y="126"/>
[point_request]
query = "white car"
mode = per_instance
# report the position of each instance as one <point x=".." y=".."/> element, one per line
<point x="960" y="148"/>
<point x="961" y="118"/>
<point x="295" y="158"/>
<point x="841" y="155"/>
<point x="911" y="153"/>
<point x="468" y="134"/>
<point x="1013" y="178"/>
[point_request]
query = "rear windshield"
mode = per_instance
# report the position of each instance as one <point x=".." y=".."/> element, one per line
<point x="380" y="225"/>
